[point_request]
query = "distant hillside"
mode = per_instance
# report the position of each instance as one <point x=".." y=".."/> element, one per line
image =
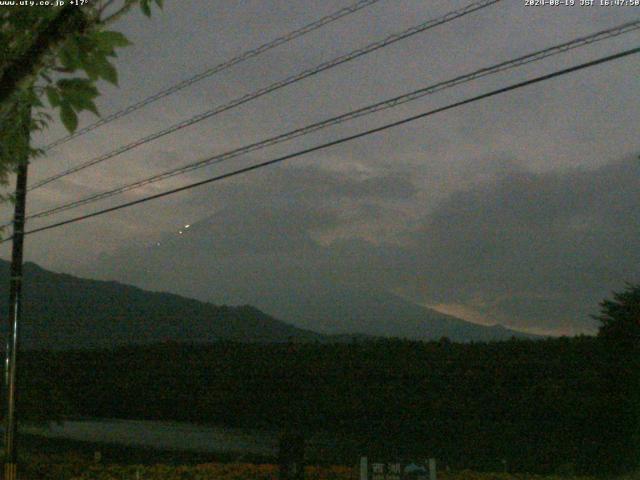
<point x="63" y="311"/>
<point x="344" y="310"/>
<point x="303" y="283"/>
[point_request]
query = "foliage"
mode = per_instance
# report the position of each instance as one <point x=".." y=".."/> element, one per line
<point x="58" y="53"/>
<point x="620" y="334"/>
<point x="620" y="318"/>
<point x="539" y="405"/>
<point x="14" y="137"/>
<point x="40" y="399"/>
<point x="44" y="469"/>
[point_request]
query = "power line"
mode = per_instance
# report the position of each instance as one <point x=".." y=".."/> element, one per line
<point x="340" y="140"/>
<point x="276" y="86"/>
<point x="216" y="69"/>
<point x="376" y="107"/>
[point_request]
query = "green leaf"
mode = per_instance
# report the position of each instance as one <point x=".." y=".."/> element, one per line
<point x="82" y="85"/>
<point x="70" y="55"/>
<point x="87" y="54"/>
<point x="92" y="108"/>
<point x="107" y="71"/>
<point x="68" y="117"/>
<point x="77" y="93"/>
<point x="36" y="102"/>
<point x="110" y="39"/>
<point x="80" y="103"/>
<point x="85" y="43"/>
<point x="52" y="96"/>
<point x="91" y="70"/>
<point x="146" y="9"/>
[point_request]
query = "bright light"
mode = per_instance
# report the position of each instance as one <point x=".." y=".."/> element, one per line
<point x="180" y="232"/>
<point x="187" y="226"/>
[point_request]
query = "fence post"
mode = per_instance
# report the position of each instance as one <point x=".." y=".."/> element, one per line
<point x="432" y="469"/>
<point x="364" y="471"/>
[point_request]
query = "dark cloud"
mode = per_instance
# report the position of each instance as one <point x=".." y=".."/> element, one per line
<point x="536" y="248"/>
<point x="509" y="208"/>
<point x="535" y="251"/>
<point x="312" y="183"/>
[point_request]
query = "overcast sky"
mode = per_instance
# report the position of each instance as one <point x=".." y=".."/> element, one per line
<point x="521" y="209"/>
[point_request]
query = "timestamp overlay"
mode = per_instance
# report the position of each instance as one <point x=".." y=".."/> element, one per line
<point x="42" y="3"/>
<point x="582" y="3"/>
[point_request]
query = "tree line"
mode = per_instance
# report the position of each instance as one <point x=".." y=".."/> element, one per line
<point x="563" y="404"/>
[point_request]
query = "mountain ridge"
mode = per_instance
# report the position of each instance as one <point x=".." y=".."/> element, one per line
<point x="62" y="311"/>
<point x="85" y="313"/>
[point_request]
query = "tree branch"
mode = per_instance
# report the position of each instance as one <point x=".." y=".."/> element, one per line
<point x="71" y="19"/>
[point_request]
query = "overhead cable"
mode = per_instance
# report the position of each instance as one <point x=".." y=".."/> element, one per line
<point x="396" y="37"/>
<point x="343" y="12"/>
<point x="339" y="141"/>
<point x="376" y="107"/>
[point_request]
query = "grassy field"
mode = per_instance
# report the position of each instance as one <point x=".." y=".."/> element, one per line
<point x="44" y="459"/>
<point x="69" y="467"/>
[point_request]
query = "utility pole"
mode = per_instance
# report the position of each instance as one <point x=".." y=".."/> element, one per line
<point x="15" y="312"/>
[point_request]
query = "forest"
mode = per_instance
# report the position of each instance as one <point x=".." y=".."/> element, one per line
<point x="557" y="405"/>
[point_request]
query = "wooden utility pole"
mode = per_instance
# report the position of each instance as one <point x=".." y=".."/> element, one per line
<point x="15" y="315"/>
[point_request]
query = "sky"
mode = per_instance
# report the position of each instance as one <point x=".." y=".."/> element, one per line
<point x="519" y="210"/>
